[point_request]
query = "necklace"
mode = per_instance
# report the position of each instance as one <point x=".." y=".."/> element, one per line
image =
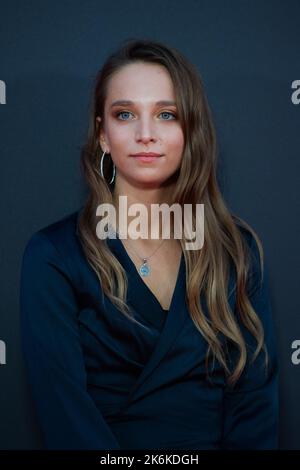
<point x="145" y="268"/>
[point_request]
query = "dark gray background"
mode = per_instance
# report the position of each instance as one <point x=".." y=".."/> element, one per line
<point x="247" y="53"/>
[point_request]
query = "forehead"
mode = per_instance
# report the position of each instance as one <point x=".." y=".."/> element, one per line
<point x="141" y="82"/>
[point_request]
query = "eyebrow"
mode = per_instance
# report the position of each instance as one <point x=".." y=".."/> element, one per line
<point x="129" y="102"/>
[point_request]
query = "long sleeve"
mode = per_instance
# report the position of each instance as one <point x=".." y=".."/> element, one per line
<point x="68" y="416"/>
<point x="251" y="410"/>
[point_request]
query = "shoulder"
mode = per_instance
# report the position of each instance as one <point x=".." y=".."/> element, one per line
<point x="248" y="234"/>
<point x="258" y="289"/>
<point x="57" y="241"/>
<point x="254" y="259"/>
<point x="252" y="243"/>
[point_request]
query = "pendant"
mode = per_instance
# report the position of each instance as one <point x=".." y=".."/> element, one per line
<point x="145" y="268"/>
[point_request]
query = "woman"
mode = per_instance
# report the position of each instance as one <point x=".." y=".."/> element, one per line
<point x="140" y="343"/>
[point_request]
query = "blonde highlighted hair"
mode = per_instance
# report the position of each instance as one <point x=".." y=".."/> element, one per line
<point x="208" y="269"/>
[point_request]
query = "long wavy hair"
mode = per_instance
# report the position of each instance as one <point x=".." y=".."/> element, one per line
<point x="207" y="270"/>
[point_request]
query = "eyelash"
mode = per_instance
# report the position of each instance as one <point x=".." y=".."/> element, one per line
<point x="162" y="112"/>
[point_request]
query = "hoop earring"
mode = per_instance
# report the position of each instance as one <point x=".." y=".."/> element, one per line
<point x="101" y="169"/>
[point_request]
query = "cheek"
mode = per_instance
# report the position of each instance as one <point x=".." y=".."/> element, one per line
<point x="118" y="137"/>
<point x="170" y="140"/>
<point x="176" y="143"/>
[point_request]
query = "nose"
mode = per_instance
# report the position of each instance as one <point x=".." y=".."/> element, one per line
<point x="145" y="131"/>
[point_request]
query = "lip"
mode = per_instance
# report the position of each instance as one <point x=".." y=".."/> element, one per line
<point x="146" y="154"/>
<point x="146" y="157"/>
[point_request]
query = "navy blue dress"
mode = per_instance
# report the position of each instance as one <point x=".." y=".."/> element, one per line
<point x="100" y="381"/>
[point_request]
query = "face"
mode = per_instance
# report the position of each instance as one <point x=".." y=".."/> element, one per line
<point x="143" y="125"/>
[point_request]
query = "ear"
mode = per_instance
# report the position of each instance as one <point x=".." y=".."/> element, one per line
<point x="101" y="135"/>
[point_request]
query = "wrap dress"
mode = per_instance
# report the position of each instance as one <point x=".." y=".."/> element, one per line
<point x="101" y="381"/>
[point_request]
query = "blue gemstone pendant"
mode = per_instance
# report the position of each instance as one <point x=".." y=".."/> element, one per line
<point x="145" y="268"/>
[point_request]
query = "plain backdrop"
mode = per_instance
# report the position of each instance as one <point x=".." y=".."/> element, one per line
<point x="248" y="55"/>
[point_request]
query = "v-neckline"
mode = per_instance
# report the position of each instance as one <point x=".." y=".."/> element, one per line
<point x="169" y="324"/>
<point x="144" y="285"/>
<point x="147" y="288"/>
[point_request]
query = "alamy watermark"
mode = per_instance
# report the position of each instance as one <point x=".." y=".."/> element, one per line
<point x="295" y="97"/>
<point x="2" y="92"/>
<point x="139" y="226"/>
<point x="2" y="352"/>
<point x="296" y="354"/>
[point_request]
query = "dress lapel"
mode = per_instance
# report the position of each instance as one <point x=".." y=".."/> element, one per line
<point x="176" y="317"/>
<point x="146" y="304"/>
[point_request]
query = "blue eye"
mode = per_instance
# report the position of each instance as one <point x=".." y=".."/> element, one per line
<point x="171" y="114"/>
<point x="122" y="112"/>
<point x="164" y="112"/>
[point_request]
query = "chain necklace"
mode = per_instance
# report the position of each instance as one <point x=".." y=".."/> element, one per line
<point x="145" y="268"/>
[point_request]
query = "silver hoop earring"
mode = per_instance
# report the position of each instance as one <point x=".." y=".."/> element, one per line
<point x="101" y="169"/>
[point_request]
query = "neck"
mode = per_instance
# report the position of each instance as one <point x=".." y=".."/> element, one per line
<point x="146" y="196"/>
